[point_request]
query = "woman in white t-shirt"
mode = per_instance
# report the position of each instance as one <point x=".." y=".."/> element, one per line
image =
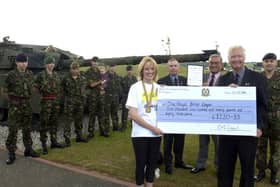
<point x="146" y="137"/>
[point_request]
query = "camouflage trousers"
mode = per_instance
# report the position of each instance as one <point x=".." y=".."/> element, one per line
<point x="19" y="116"/>
<point x="111" y="109"/>
<point x="124" y="112"/>
<point x="49" y="119"/>
<point x="96" y="110"/>
<point x="270" y="137"/>
<point x="103" y="120"/>
<point x="73" y="112"/>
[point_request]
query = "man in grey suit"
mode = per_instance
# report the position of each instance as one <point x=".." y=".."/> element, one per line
<point x="215" y="67"/>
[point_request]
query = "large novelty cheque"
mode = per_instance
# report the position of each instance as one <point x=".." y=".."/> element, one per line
<point x="207" y="110"/>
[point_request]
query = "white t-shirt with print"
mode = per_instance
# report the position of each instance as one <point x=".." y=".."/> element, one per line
<point x="136" y="99"/>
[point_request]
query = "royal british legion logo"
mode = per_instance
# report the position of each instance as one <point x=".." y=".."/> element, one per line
<point x="205" y="92"/>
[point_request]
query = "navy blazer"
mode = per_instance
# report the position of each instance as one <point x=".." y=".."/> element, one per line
<point x="251" y="78"/>
<point x="206" y="77"/>
<point x="167" y="81"/>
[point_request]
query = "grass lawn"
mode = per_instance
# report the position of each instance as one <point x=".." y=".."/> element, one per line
<point x="114" y="156"/>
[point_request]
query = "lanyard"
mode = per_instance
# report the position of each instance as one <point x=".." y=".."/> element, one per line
<point x="148" y="97"/>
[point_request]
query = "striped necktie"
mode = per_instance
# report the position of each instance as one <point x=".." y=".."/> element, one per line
<point x="236" y="78"/>
<point x="212" y="80"/>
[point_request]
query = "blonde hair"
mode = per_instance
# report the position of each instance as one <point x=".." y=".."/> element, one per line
<point x="141" y="65"/>
<point x="102" y="67"/>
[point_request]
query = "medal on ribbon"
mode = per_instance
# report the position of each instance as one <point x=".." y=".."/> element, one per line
<point x="148" y="97"/>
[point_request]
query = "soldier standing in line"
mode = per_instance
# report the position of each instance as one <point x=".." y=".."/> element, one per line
<point x="19" y="84"/>
<point x="72" y="86"/>
<point x="93" y="78"/>
<point x="112" y="93"/>
<point x="48" y="84"/>
<point x="272" y="133"/>
<point x="104" y="113"/>
<point x="127" y="81"/>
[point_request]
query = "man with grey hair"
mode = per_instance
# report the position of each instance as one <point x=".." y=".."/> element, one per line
<point x="210" y="79"/>
<point x="244" y="146"/>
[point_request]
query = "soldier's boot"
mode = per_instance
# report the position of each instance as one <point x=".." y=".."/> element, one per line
<point x="123" y="127"/>
<point x="273" y="178"/>
<point x="30" y="152"/>
<point x="90" y="136"/>
<point x="11" y="158"/>
<point x="55" y="144"/>
<point x="115" y="127"/>
<point x="79" y="138"/>
<point x="44" y="149"/>
<point x="67" y="142"/>
<point x="260" y="176"/>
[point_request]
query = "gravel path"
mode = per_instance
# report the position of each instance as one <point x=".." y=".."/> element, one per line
<point x="36" y="136"/>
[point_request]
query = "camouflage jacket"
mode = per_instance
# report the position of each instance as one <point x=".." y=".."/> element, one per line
<point x="48" y="85"/>
<point x="273" y="89"/>
<point x="127" y="81"/>
<point x="92" y="76"/>
<point x="113" y="84"/>
<point x="73" y="88"/>
<point x="19" y="84"/>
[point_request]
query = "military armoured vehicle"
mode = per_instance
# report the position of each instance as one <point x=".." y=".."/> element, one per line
<point x="36" y="54"/>
<point x="182" y="58"/>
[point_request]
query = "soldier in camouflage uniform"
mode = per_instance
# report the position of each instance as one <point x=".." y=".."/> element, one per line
<point x="93" y="83"/>
<point x="48" y="84"/>
<point x="127" y="81"/>
<point x="19" y="84"/>
<point x="272" y="133"/>
<point x="105" y="126"/>
<point x="72" y="86"/>
<point x="112" y="95"/>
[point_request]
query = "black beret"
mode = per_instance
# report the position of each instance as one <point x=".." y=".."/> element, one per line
<point x="269" y="56"/>
<point x="21" y="58"/>
<point x="112" y="65"/>
<point x="128" y="68"/>
<point x="94" y="59"/>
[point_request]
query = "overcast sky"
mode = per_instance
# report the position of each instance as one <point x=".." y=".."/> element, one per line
<point x="114" y="28"/>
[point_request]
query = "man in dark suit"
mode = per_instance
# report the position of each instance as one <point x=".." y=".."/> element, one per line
<point x="244" y="146"/>
<point x="173" y="140"/>
<point x="210" y="79"/>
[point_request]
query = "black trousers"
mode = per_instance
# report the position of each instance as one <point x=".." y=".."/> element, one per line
<point x="229" y="147"/>
<point x="177" y="142"/>
<point x="146" y="150"/>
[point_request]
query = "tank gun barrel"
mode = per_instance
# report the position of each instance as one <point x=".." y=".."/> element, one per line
<point x="199" y="57"/>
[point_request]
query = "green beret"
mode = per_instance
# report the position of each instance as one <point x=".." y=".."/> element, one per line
<point x="49" y="60"/>
<point x="74" y="65"/>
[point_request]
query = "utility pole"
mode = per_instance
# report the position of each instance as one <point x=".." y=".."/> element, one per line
<point x="216" y="45"/>
<point x="166" y="46"/>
